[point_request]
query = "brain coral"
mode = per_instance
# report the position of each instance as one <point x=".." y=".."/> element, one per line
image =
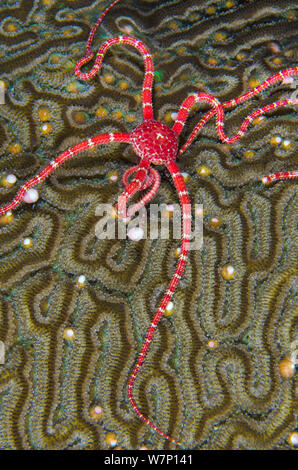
<point x="74" y="309"/>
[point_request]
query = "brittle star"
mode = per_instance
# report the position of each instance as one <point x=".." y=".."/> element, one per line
<point x="157" y="144"/>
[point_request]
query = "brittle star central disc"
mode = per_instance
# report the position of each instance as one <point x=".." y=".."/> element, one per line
<point x="155" y="141"/>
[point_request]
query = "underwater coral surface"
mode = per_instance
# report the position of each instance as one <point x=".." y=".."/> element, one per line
<point x="74" y="309"/>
